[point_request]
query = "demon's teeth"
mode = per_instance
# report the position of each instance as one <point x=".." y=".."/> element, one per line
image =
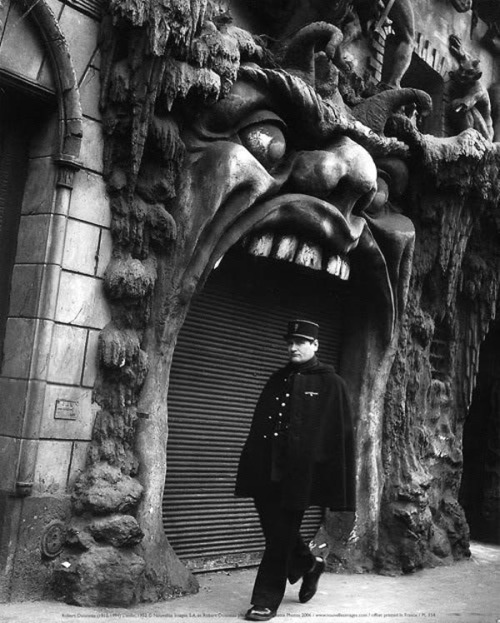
<point x="288" y="248"/>
<point x="339" y="267"/>
<point x="333" y="266"/>
<point x="345" y="270"/>
<point x="309" y="255"/>
<point x="261" y="245"/>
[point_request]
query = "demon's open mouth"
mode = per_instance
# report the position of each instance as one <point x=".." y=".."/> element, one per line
<point x="309" y="232"/>
<point x="295" y="228"/>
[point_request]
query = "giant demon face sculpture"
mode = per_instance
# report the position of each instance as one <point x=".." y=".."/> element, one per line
<point x="273" y="158"/>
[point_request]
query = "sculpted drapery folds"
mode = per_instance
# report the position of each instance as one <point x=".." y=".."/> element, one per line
<point x="211" y="138"/>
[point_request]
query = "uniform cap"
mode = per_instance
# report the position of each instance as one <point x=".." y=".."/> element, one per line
<point x="302" y="328"/>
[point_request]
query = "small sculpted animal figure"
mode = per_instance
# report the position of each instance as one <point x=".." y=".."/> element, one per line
<point x="470" y="103"/>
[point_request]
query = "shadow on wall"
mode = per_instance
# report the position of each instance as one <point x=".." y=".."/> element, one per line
<point x="480" y="489"/>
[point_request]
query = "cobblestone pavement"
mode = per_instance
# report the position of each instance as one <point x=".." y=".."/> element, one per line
<point x="467" y="592"/>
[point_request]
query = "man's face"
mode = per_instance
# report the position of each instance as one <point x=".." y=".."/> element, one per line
<point x="300" y="349"/>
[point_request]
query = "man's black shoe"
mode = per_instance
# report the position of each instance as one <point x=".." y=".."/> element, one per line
<point x="310" y="581"/>
<point x="259" y="613"/>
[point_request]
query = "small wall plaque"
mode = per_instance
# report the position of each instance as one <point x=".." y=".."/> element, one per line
<point x="66" y="410"/>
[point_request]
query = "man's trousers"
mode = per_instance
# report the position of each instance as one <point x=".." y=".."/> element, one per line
<point x="286" y="556"/>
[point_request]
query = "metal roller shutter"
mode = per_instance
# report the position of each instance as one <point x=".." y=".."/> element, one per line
<point x="231" y="341"/>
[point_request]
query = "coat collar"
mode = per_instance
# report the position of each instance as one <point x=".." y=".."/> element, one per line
<point x="313" y="366"/>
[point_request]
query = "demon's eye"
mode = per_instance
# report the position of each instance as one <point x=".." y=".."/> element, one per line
<point x="265" y="140"/>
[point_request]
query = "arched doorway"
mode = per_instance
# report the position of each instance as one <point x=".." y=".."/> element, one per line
<point x="230" y="343"/>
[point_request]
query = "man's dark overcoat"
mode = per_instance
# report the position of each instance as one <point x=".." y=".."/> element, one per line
<point x="319" y="467"/>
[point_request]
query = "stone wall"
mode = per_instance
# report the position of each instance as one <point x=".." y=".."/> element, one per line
<point x="56" y="303"/>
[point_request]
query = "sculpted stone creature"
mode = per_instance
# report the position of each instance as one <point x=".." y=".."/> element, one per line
<point x="312" y="54"/>
<point x="376" y="110"/>
<point x="403" y="24"/>
<point x="470" y="103"/>
<point x="370" y="19"/>
<point x="290" y="168"/>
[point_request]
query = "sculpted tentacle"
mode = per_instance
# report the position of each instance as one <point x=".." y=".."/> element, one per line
<point x="376" y="110"/>
<point x="300" y="49"/>
<point x="310" y="53"/>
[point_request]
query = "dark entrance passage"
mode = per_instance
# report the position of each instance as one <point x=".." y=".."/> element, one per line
<point x="230" y="343"/>
<point x="21" y="116"/>
<point x="480" y="490"/>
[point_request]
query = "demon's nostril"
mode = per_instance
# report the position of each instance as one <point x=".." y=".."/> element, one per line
<point x="372" y="202"/>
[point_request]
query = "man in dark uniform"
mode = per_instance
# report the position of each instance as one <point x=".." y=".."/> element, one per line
<point x="299" y="452"/>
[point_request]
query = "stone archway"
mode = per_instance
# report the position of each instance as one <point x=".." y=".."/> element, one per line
<point x="66" y="87"/>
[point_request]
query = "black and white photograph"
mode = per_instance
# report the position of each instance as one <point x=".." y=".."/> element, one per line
<point x="249" y="311"/>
